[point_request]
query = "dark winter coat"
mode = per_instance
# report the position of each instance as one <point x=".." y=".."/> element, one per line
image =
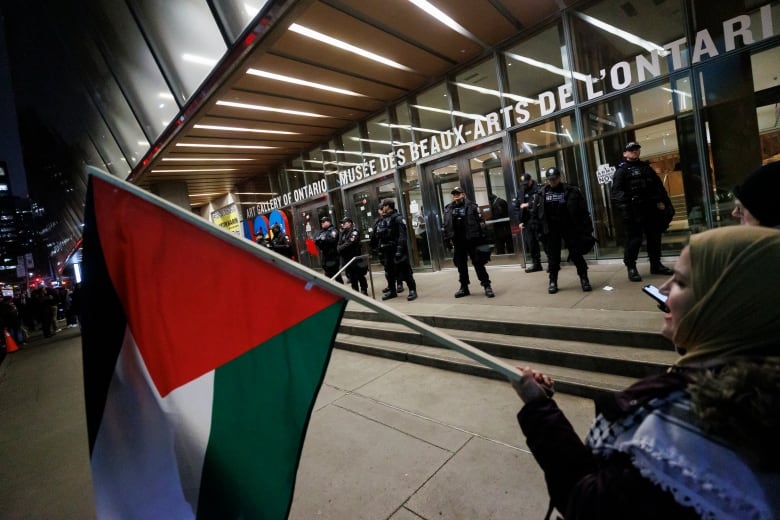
<point x="327" y="241"/>
<point x="280" y="243"/>
<point x="636" y="192"/>
<point x="525" y="195"/>
<point x="586" y="486"/>
<point x="474" y="228"/>
<point x="392" y="236"/>
<point x="580" y="223"/>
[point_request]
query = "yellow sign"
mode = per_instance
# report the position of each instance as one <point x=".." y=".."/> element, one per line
<point x="228" y="218"/>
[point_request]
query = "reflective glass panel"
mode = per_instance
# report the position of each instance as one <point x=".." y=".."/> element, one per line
<point x="432" y="111"/>
<point x="732" y="25"/>
<point x="110" y="152"/>
<point x="477" y="95"/>
<point x="330" y="159"/>
<point x="742" y="125"/>
<point x="236" y="14"/>
<point x="296" y="174"/>
<point x="186" y="40"/>
<point x="537" y="76"/>
<point x="418" y="217"/>
<point x="133" y="64"/>
<point x="544" y="138"/>
<point x="402" y="132"/>
<point x="104" y="92"/>
<point x="620" y="44"/>
<point x="378" y="143"/>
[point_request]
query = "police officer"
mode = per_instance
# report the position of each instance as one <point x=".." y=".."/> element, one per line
<point x="327" y="241"/>
<point x="279" y="241"/>
<point x="559" y="214"/>
<point x="464" y="227"/>
<point x="392" y="237"/>
<point x="522" y="204"/>
<point x="374" y="245"/>
<point x="641" y="198"/>
<point x="349" y="248"/>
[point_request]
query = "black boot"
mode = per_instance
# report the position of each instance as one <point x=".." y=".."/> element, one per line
<point x="633" y="274"/>
<point x="534" y="267"/>
<point x="412" y="295"/>
<point x="553" y="287"/>
<point x="399" y="287"/>
<point x="463" y="291"/>
<point x="585" y="283"/>
<point x="389" y="295"/>
<point x="659" y="268"/>
<point x="489" y="291"/>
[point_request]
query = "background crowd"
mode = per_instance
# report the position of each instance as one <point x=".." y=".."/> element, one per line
<point x="44" y="309"/>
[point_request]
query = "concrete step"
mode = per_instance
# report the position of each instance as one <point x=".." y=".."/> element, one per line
<point x="614" y="334"/>
<point x="612" y="359"/>
<point x="572" y="381"/>
<point x="583" y="361"/>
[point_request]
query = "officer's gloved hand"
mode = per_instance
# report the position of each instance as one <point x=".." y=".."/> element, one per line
<point x="398" y="257"/>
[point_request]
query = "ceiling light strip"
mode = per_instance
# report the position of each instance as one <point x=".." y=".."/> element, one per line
<point x="441" y="17"/>
<point x="199" y="159"/>
<point x="243" y="129"/>
<point x="297" y="81"/>
<point x="196" y="170"/>
<point x="268" y="109"/>
<point x="232" y="146"/>
<point x="335" y="42"/>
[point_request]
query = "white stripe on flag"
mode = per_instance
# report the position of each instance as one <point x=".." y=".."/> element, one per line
<point x="148" y="455"/>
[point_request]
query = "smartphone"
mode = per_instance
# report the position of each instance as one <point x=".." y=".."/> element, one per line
<point x="654" y="293"/>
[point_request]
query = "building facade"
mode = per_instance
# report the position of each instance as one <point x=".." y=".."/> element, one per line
<point x="699" y="90"/>
<point x="564" y="84"/>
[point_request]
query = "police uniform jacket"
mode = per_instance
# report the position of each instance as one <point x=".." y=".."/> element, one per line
<point x="579" y="223"/>
<point x="473" y="221"/>
<point x="524" y="195"/>
<point x="637" y="190"/>
<point x="280" y="243"/>
<point x="391" y="234"/>
<point x="349" y="244"/>
<point x="327" y="241"/>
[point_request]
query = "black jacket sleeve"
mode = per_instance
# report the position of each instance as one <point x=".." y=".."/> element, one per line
<point x="620" y="194"/>
<point x="558" y="450"/>
<point x="400" y="234"/>
<point x="584" y="486"/>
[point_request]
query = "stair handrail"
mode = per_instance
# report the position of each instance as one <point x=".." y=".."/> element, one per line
<point x="351" y="261"/>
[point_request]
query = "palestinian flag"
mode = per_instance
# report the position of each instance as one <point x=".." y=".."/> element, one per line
<point x="203" y="355"/>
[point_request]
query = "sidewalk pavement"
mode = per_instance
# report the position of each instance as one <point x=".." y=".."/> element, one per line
<point x="614" y="303"/>
<point x="387" y="439"/>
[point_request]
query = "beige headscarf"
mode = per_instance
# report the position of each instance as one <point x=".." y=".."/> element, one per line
<point x="735" y="274"/>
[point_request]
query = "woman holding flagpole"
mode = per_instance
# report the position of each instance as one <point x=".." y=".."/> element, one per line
<point x="700" y="440"/>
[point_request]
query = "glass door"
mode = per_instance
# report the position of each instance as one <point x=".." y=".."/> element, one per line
<point x="362" y="204"/>
<point x="445" y="177"/>
<point x="482" y="177"/>
<point x="418" y="217"/>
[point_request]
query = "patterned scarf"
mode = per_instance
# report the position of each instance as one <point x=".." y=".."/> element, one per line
<point x="698" y="470"/>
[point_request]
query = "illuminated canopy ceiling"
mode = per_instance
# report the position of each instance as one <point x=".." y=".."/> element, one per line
<point x="311" y="70"/>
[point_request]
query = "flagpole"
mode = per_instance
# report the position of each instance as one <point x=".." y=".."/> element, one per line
<point x="311" y="277"/>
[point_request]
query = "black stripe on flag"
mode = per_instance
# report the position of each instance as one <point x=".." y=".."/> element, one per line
<point x="103" y="321"/>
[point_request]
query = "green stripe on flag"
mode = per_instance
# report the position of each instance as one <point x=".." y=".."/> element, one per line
<point x="262" y="403"/>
